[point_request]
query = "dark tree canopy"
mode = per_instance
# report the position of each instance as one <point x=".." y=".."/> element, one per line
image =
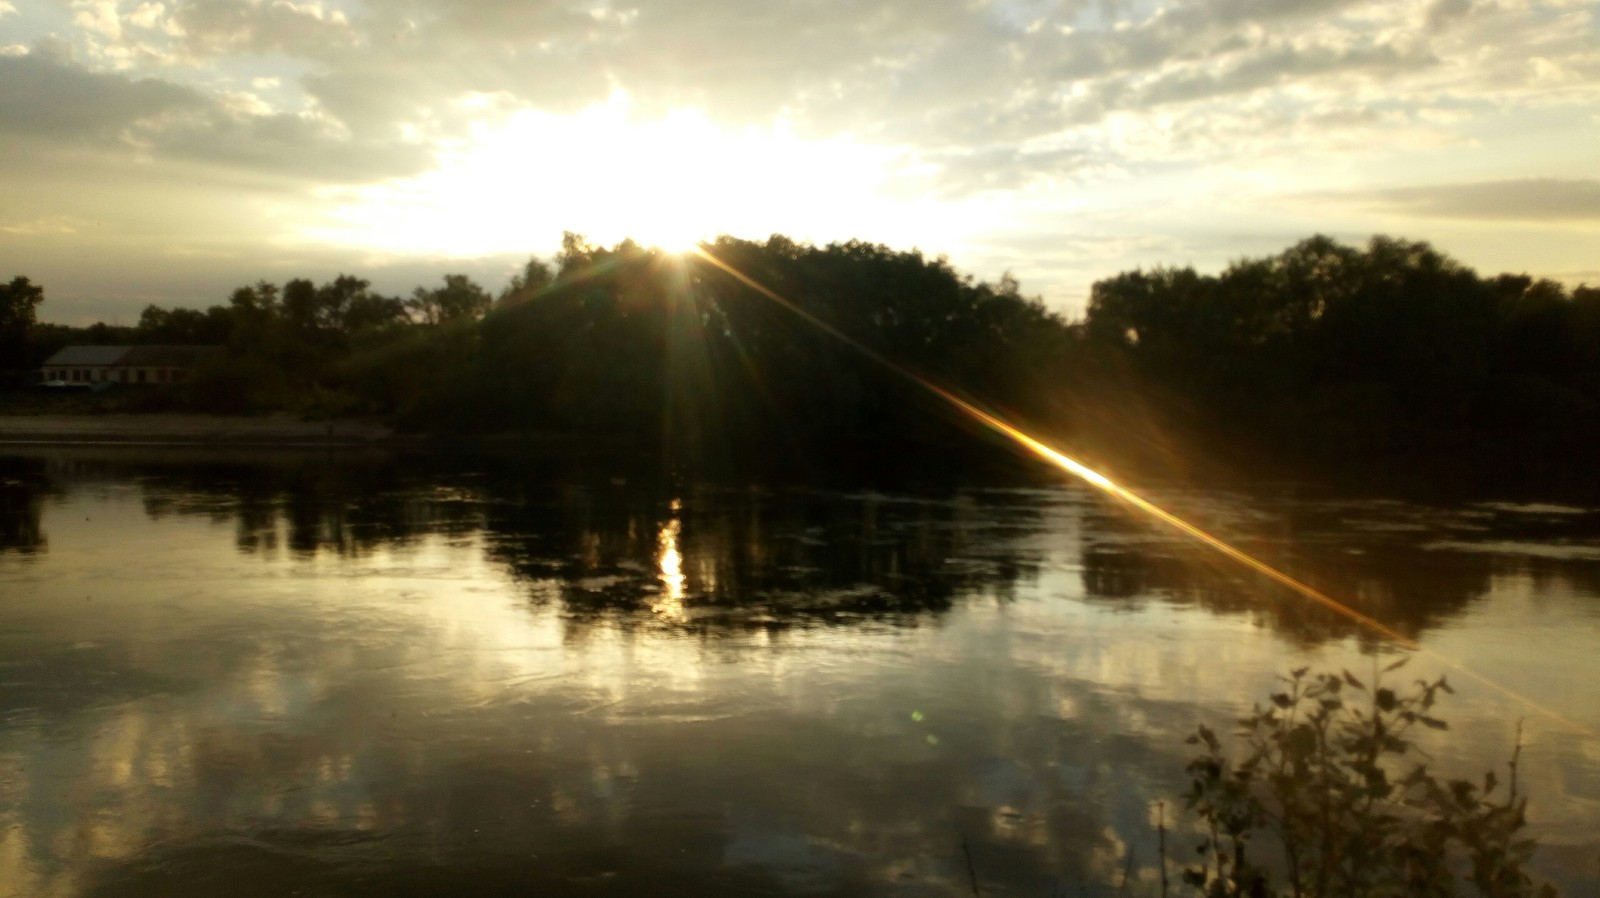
<point x="459" y="301"/>
<point x="1392" y="355"/>
<point x="1390" y="358"/>
<point x="19" y="303"/>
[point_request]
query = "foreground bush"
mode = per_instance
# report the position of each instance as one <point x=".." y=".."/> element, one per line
<point x="1329" y="801"/>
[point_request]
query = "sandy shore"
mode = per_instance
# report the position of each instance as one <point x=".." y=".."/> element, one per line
<point x="189" y="429"/>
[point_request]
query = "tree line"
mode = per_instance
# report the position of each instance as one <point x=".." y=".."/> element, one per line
<point x="1386" y="358"/>
<point x="1391" y="358"/>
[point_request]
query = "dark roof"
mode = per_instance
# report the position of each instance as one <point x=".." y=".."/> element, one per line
<point x="86" y="355"/>
<point x="131" y="356"/>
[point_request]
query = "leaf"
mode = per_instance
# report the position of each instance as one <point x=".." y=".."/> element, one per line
<point x="1281" y="700"/>
<point x="1385" y="699"/>
<point x="1433" y="723"/>
<point x="1396" y="665"/>
<point x="1349" y="678"/>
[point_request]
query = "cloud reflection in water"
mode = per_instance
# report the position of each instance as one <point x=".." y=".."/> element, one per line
<point x="482" y="686"/>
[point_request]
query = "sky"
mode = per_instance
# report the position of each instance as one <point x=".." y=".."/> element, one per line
<point x="167" y="151"/>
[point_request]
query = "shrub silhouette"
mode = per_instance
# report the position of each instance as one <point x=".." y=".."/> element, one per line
<point x="1329" y="800"/>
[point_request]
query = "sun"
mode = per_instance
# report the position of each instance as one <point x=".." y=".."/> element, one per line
<point x="676" y="242"/>
<point x="517" y="180"/>
<point x="661" y="211"/>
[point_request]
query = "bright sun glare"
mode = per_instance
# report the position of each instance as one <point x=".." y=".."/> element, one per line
<point x="522" y="178"/>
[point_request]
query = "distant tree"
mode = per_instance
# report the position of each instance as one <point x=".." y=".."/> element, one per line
<point x="19" y="302"/>
<point x="1391" y="356"/>
<point x="336" y="299"/>
<point x="102" y="334"/>
<point x="299" y="308"/>
<point x="258" y="300"/>
<point x="459" y="301"/>
<point x="577" y="254"/>
<point x="368" y="313"/>
<point x="255" y="311"/>
<point x="184" y="326"/>
<point x="534" y="278"/>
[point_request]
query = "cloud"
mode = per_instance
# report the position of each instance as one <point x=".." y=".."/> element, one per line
<point x="42" y="226"/>
<point x="957" y="173"/>
<point x="44" y="96"/>
<point x="48" y="101"/>
<point x="937" y="75"/>
<point x="899" y="70"/>
<point x="99" y="16"/>
<point x="212" y="28"/>
<point x="1526" y="199"/>
<point x="1065" y="108"/>
<point x="1444" y="13"/>
<point x="1274" y="65"/>
<point x="147" y="15"/>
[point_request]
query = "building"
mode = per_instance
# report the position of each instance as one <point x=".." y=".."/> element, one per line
<point x="125" y="364"/>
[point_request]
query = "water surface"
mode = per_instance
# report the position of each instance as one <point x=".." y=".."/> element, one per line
<point x="333" y="676"/>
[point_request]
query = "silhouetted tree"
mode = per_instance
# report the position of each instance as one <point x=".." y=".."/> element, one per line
<point x="213" y="327"/>
<point x="19" y="303"/>
<point x="534" y="278"/>
<point x="459" y="301"/>
<point x="1393" y="356"/>
<point x="1390" y="357"/>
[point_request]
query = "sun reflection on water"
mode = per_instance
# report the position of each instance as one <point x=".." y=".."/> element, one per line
<point x="670" y="562"/>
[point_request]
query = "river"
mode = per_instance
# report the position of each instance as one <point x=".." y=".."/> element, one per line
<point x="266" y="674"/>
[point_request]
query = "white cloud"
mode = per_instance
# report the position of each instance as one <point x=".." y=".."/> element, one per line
<point x="1062" y="108"/>
<point x="98" y="16"/>
<point x="148" y="15"/>
<point x="213" y="29"/>
<point x="947" y="76"/>
<point x="48" y="225"/>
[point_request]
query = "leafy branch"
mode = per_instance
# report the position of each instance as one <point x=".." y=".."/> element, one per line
<point x="1328" y="798"/>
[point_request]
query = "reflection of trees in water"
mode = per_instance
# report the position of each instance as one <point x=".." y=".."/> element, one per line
<point x="347" y="507"/>
<point x="699" y="558"/>
<point x="710" y="559"/>
<point x="741" y="558"/>
<point x="394" y="770"/>
<point x="1393" y="582"/>
<point x="23" y="486"/>
<point x="1531" y="533"/>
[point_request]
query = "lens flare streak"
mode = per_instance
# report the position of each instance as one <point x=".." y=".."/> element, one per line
<point x="1122" y="494"/>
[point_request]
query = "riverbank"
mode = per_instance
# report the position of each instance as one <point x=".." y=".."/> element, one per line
<point x="190" y="429"/>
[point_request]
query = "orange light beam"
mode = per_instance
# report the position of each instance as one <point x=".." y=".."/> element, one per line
<point x="1122" y="494"/>
<point x="1107" y="485"/>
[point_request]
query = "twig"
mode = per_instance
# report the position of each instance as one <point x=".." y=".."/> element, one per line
<point x="1127" y="871"/>
<point x="1516" y="754"/>
<point x="1161" y="842"/>
<point x="972" y="872"/>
